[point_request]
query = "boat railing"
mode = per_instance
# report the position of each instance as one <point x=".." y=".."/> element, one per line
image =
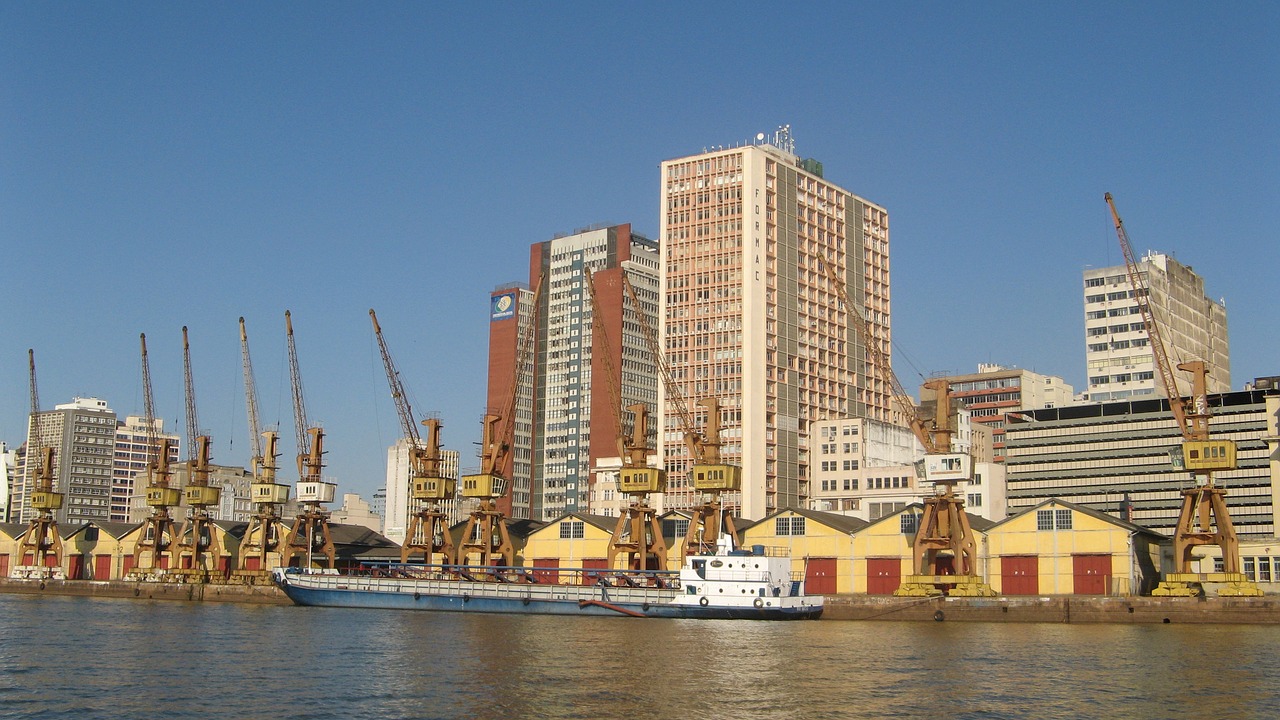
<point x="519" y="574"/>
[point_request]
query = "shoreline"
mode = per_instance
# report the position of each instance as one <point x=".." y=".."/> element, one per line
<point x="1008" y="609"/>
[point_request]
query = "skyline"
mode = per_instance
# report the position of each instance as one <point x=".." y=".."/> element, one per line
<point x="163" y="166"/>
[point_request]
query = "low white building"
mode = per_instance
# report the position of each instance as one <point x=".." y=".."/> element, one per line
<point x="868" y="469"/>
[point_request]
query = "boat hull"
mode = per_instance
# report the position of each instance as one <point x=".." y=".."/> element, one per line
<point x="532" y="599"/>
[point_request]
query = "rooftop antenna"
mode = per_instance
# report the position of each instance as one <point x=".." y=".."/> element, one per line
<point x="782" y="139"/>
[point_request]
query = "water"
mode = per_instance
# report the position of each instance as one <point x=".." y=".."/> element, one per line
<point x="63" y="657"/>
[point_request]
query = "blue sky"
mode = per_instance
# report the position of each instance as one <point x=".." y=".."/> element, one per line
<point x="175" y="164"/>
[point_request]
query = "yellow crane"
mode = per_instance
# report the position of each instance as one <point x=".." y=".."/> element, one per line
<point x="159" y="529"/>
<point x="309" y="534"/>
<point x="637" y="538"/>
<point x="197" y="538"/>
<point x="262" y="536"/>
<point x="944" y="549"/>
<point x="41" y="540"/>
<point x="1204" y="518"/>
<point x="486" y="535"/>
<point x="428" y="531"/>
<point x="709" y="475"/>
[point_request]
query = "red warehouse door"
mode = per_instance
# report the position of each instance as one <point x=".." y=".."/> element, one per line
<point x="1092" y="574"/>
<point x="820" y="576"/>
<point x="589" y="564"/>
<point x="1020" y="574"/>
<point x="75" y="567"/>
<point x="545" y="570"/>
<point x="101" y="567"/>
<point x="884" y="575"/>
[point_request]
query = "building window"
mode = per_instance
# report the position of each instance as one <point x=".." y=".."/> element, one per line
<point x="788" y="526"/>
<point x="1044" y="520"/>
<point x="974" y="500"/>
<point x="1248" y="568"/>
<point x="571" y="529"/>
<point x="909" y="523"/>
<point x="678" y="527"/>
<point x="1062" y="519"/>
<point x="1264" y="569"/>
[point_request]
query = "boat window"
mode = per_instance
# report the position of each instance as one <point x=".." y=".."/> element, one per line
<point x="700" y="567"/>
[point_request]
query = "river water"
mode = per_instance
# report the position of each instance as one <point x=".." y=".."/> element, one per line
<point x="65" y="657"/>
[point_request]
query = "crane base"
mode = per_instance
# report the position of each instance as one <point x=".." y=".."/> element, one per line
<point x="1192" y="585"/>
<point x="929" y="586"/>
<point x="250" y="577"/>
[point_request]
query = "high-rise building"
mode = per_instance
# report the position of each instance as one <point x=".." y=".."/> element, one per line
<point x="565" y="420"/>
<point x="751" y="318"/>
<point x="82" y="434"/>
<point x="132" y="448"/>
<point x="995" y="391"/>
<point x="1117" y="352"/>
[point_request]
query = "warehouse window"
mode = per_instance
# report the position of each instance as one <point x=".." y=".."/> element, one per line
<point x="1062" y="519"/>
<point x="1044" y="520"/>
<point x="788" y="526"/>
<point x="571" y="529"/>
<point x="909" y="523"/>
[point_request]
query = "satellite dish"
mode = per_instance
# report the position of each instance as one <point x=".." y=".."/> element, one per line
<point x="759" y="137"/>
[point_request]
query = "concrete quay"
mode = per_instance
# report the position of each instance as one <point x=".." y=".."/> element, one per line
<point x="1057" y="609"/>
<point x="193" y="592"/>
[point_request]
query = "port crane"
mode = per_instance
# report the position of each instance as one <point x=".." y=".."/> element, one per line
<point x="486" y="534"/>
<point x="944" y="549"/>
<point x="309" y="533"/>
<point x="637" y="537"/>
<point x="1203" y="518"/>
<point x="197" y="536"/>
<point x="159" y="530"/>
<point x="41" y="541"/>
<point x="428" y="531"/>
<point x="710" y="475"/>
<point x="262" y="536"/>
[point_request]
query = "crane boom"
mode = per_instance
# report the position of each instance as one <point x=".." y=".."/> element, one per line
<point x="193" y="420"/>
<point x="919" y="425"/>
<point x="148" y="403"/>
<point x="251" y="398"/>
<point x="1142" y="295"/>
<point x="299" y="401"/>
<point x="397" y="386"/>
<point x="701" y="448"/>
<point x="35" y="394"/>
<point x="43" y="467"/>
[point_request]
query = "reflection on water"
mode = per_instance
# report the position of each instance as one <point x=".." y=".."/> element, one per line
<point x="95" y="658"/>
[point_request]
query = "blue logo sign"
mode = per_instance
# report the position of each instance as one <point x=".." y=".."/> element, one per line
<point x="502" y="306"/>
